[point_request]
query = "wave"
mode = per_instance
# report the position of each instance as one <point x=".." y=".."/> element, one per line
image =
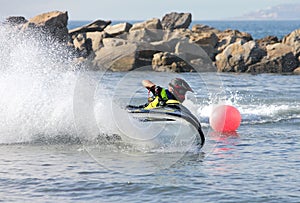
<point x="255" y="114"/>
<point x="273" y="113"/>
<point x="36" y="81"/>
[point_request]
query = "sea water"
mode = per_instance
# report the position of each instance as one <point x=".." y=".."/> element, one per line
<point x="58" y="120"/>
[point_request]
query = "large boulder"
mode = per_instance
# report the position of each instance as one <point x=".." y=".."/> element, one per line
<point x="178" y="33"/>
<point x="114" y="42"/>
<point x="293" y="40"/>
<point x="147" y="31"/>
<point x="238" y="56"/>
<point x="88" y="43"/>
<point x="297" y="71"/>
<point x="98" y="25"/>
<point x="279" y="59"/>
<point x="226" y="41"/>
<point x="125" y="57"/>
<point x="208" y="42"/>
<point x="144" y="35"/>
<point x="198" y="28"/>
<point x="118" y="29"/>
<point x="268" y="40"/>
<point x="97" y="39"/>
<point x="151" y="24"/>
<point x="243" y="35"/>
<point x="189" y="51"/>
<point x="170" y="62"/>
<point x="205" y="38"/>
<point x="228" y="37"/>
<point x="176" y="20"/>
<point x="15" y="20"/>
<point x="166" y="45"/>
<point x="195" y="56"/>
<point x="187" y="57"/>
<point x="53" y="23"/>
<point x="83" y="45"/>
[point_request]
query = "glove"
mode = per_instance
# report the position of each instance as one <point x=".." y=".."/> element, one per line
<point x="162" y="103"/>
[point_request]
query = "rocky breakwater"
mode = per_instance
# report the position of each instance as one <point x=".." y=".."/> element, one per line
<point x="167" y="44"/>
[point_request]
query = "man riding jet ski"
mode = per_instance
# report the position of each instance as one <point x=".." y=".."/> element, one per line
<point x="165" y="105"/>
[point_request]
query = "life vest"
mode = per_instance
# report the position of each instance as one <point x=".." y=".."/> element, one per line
<point x="165" y="96"/>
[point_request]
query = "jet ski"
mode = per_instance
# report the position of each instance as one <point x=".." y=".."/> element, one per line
<point x="168" y="113"/>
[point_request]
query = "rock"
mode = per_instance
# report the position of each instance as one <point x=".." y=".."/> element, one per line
<point x="279" y="59"/>
<point x="176" y="20"/>
<point x="205" y="38"/>
<point x="118" y="29"/>
<point x="198" y="28"/>
<point x="297" y="71"/>
<point x="83" y="45"/>
<point x="107" y="57"/>
<point x="114" y="42"/>
<point x="52" y="23"/>
<point x="210" y="51"/>
<point x="152" y="24"/>
<point x="202" y="65"/>
<point x="144" y="35"/>
<point x="170" y="62"/>
<point x="189" y="51"/>
<point x="238" y="56"/>
<point x="231" y="36"/>
<point x="97" y="39"/>
<point x="166" y="45"/>
<point x="98" y="25"/>
<point x="293" y="40"/>
<point x="268" y="40"/>
<point x="178" y="34"/>
<point x="243" y="35"/>
<point x="125" y="57"/>
<point x="186" y="58"/>
<point x="15" y="20"/>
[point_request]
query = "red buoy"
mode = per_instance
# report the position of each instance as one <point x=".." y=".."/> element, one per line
<point x="225" y="118"/>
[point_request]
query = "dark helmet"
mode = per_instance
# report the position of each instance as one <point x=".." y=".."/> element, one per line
<point x="179" y="87"/>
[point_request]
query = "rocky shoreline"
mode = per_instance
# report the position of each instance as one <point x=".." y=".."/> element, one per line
<point x="166" y="45"/>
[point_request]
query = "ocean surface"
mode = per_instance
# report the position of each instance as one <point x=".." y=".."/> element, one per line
<point x="60" y="127"/>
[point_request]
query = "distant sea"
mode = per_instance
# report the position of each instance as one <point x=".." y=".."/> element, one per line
<point x="258" y="29"/>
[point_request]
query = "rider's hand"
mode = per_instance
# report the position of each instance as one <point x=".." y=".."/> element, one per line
<point x="162" y="103"/>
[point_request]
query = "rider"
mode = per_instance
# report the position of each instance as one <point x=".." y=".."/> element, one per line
<point x="174" y="94"/>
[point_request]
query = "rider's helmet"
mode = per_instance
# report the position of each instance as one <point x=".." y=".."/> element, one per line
<point x="179" y="87"/>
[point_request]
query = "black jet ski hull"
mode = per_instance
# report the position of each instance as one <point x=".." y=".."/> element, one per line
<point x="169" y="112"/>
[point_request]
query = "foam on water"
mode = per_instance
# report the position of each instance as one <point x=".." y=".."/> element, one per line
<point x="252" y="113"/>
<point x="36" y="85"/>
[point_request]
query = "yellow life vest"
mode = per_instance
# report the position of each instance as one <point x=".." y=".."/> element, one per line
<point x="155" y="103"/>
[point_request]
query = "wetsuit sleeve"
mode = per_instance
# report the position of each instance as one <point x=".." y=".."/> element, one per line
<point x="152" y="90"/>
